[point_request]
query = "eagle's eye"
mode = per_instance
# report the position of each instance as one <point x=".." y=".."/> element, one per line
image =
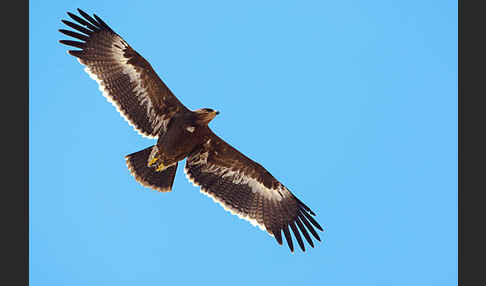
<point x="208" y="110"/>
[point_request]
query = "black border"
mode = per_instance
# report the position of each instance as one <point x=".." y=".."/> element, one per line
<point x="15" y="144"/>
<point x="471" y="141"/>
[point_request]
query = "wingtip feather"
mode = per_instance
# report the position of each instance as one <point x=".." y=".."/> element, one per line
<point x="297" y="236"/>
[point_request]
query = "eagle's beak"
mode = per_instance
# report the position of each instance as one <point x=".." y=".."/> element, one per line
<point x="216" y="112"/>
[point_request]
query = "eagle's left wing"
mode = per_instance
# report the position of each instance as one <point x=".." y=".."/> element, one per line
<point x="247" y="190"/>
<point x="126" y="79"/>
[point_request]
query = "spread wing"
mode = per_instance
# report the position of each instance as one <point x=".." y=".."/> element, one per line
<point x="126" y="79"/>
<point x="246" y="189"/>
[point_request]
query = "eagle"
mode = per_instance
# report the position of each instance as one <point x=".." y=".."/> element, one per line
<point x="240" y="185"/>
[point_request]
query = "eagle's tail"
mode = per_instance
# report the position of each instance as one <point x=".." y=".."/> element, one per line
<point x="161" y="181"/>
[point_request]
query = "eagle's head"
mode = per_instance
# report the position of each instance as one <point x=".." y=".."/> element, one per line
<point x="205" y="115"/>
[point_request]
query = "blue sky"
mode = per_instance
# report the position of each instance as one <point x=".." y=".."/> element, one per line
<point x="351" y="104"/>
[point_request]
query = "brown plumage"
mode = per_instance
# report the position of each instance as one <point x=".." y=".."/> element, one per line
<point x="233" y="180"/>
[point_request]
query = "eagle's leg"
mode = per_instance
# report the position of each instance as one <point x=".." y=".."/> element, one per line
<point x="154" y="159"/>
<point x="151" y="162"/>
<point x="161" y="167"/>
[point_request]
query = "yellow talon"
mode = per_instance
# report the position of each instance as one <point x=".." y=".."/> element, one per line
<point x="161" y="167"/>
<point x="152" y="162"/>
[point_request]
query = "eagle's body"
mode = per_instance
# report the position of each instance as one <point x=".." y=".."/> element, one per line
<point x="239" y="184"/>
<point x="185" y="131"/>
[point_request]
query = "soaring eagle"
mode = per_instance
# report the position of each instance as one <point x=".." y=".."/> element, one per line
<point x="239" y="184"/>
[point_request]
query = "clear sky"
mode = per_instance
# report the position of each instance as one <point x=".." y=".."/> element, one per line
<point x="351" y="104"/>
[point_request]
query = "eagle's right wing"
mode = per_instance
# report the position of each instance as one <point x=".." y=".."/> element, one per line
<point x="126" y="79"/>
<point x="247" y="190"/>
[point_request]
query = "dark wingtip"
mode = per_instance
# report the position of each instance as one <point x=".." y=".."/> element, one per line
<point x="77" y="54"/>
<point x="278" y="235"/>
<point x="288" y="237"/>
<point x="73" y="43"/>
<point x="74" y="35"/>
<point x="304" y="231"/>
<point x="312" y="220"/>
<point x="297" y="235"/>
<point x="306" y="222"/>
<point x="304" y="206"/>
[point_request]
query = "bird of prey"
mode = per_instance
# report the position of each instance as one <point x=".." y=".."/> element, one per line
<point x="239" y="184"/>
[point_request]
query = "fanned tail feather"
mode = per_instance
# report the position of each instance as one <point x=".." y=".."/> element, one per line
<point x="161" y="181"/>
